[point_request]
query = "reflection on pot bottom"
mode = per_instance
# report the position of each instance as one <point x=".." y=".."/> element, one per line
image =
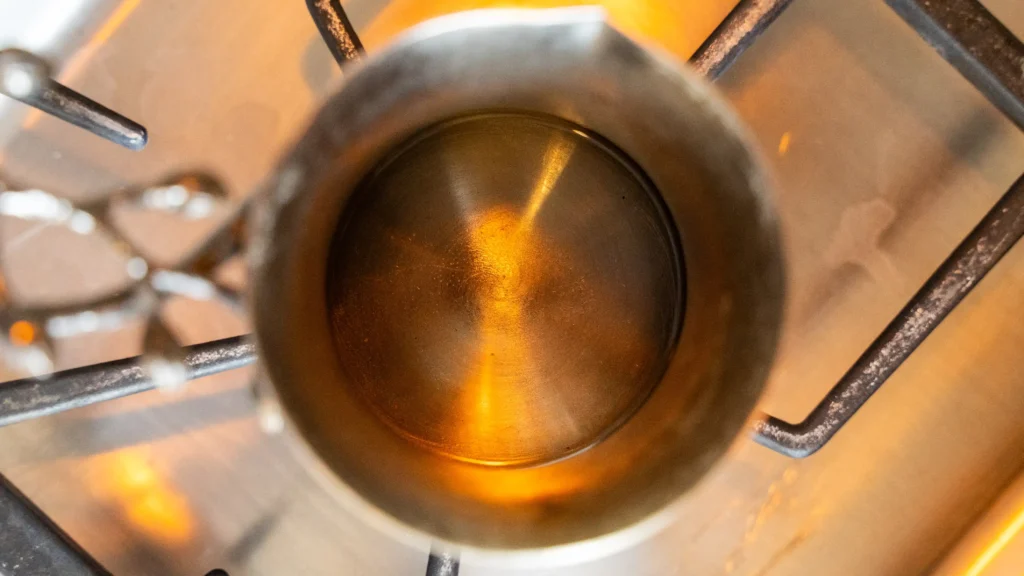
<point x="505" y="289"/>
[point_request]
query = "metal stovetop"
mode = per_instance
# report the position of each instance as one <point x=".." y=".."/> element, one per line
<point x="885" y="158"/>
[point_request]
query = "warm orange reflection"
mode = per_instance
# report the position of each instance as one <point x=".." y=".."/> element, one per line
<point x="679" y="26"/>
<point x="1009" y="533"/>
<point x="784" y="142"/>
<point x="82" y="57"/>
<point x="22" y="333"/>
<point x="497" y="250"/>
<point x="504" y="249"/>
<point x="147" y="500"/>
<point x="519" y="487"/>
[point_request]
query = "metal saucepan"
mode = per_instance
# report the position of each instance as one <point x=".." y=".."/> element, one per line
<point x="519" y="284"/>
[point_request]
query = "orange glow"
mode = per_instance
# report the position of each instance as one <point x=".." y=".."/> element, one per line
<point x="503" y="246"/>
<point x="22" y="333"/>
<point x="31" y="119"/>
<point x="149" y="503"/>
<point x="784" y="143"/>
<point x="82" y="57"/>
<point x="679" y="26"/>
<point x="121" y="13"/>
<point x="500" y="248"/>
<point x="520" y="486"/>
<point x="989" y="554"/>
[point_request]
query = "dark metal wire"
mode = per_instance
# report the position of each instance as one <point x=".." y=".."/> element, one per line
<point x="992" y="58"/>
<point x="336" y="30"/>
<point x="25" y="77"/>
<point x="976" y="43"/>
<point x="998" y="231"/>
<point x="735" y="34"/>
<point x="31" y="544"/>
<point x="58" y="100"/>
<point x="442" y="564"/>
<point x="34" y="397"/>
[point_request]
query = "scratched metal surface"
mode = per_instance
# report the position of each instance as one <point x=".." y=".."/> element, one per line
<point x="884" y="157"/>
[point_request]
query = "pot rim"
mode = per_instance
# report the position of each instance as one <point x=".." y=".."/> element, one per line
<point x="528" y="60"/>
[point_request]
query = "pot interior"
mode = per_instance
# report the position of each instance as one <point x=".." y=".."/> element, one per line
<point x="505" y="289"/>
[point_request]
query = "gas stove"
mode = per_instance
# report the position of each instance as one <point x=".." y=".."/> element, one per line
<point x="898" y="187"/>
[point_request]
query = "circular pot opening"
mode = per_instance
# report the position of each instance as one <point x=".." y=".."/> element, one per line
<point x="505" y="289"/>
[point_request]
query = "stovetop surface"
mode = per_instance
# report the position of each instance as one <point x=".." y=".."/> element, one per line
<point x="884" y="157"/>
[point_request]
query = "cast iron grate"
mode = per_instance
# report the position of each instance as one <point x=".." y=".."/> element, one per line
<point x="967" y="35"/>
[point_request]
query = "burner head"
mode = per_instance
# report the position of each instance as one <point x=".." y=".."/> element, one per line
<point x="505" y="289"/>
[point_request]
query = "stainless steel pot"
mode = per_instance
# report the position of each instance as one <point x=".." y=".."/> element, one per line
<point x="519" y="284"/>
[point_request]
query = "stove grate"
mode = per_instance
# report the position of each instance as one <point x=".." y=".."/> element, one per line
<point x="967" y="35"/>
